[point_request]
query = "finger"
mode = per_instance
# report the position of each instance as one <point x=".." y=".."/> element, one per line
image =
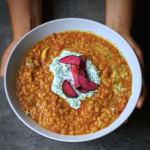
<point x="5" y="58"/>
<point x="4" y="61"/>
<point x="142" y="97"/>
<point x="126" y="121"/>
<point x="137" y="50"/>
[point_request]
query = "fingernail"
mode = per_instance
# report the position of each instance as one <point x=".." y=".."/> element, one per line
<point x="126" y="121"/>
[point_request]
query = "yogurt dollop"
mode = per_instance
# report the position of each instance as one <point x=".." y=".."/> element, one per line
<point x="63" y="72"/>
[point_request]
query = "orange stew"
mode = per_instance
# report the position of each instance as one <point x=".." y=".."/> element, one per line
<point x="34" y="80"/>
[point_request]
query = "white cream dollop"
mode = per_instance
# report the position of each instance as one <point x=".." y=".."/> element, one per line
<point x="63" y="71"/>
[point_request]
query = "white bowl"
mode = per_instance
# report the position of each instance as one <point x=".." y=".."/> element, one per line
<point x="56" y="26"/>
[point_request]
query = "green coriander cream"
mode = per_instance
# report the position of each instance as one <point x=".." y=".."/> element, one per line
<point x="63" y="72"/>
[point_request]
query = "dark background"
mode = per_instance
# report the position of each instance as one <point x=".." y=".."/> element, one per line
<point x="134" y="135"/>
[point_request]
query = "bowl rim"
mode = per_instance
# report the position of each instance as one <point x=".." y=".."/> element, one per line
<point x="51" y="137"/>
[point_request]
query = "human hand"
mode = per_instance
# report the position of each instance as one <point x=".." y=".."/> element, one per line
<point x="25" y="15"/>
<point x="5" y="57"/>
<point x="140" y="56"/>
<point x="119" y="17"/>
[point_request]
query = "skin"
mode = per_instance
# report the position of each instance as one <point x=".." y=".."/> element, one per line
<point x="27" y="14"/>
<point x="119" y="17"/>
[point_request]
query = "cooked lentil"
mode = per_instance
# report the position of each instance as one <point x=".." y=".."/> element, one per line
<point x="34" y="80"/>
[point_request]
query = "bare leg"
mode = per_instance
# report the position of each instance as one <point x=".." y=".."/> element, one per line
<point x="25" y="15"/>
